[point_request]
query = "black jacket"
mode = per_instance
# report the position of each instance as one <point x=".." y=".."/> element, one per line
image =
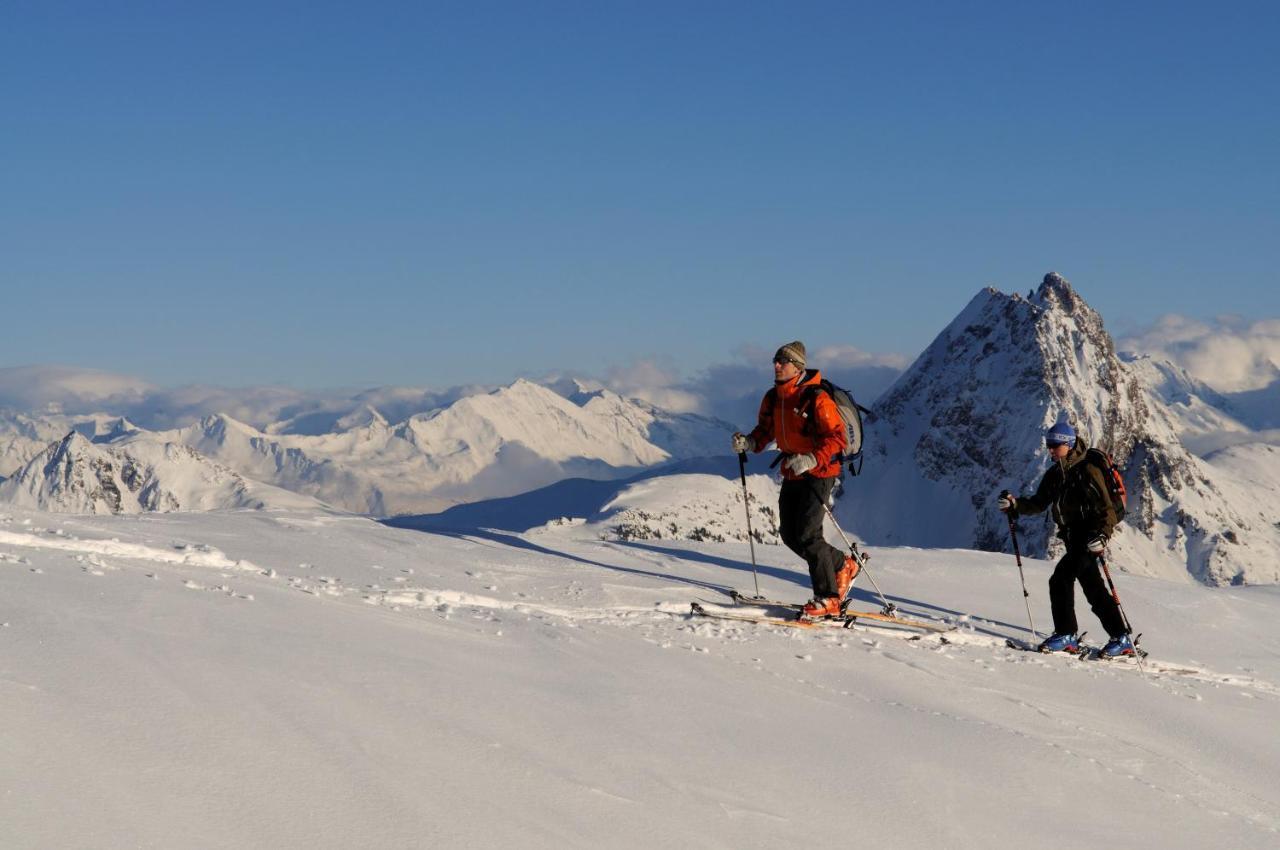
<point x="1077" y="492"/>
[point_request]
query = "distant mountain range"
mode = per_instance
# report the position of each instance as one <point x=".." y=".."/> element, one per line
<point x="502" y="443"/>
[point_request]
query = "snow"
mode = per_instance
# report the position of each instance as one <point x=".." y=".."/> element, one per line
<point x="306" y="678"/>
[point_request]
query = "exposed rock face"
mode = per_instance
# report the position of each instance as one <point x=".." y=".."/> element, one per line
<point x="967" y="420"/>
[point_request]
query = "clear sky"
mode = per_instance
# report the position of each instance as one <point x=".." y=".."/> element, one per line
<point x="343" y="194"/>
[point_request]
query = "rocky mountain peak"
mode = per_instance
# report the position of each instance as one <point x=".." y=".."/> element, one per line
<point x="967" y="419"/>
<point x="1055" y="292"/>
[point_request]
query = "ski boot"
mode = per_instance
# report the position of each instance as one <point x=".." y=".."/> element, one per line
<point x="1060" y="643"/>
<point x="817" y="609"/>
<point x="1118" y="647"/>
<point x="845" y="575"/>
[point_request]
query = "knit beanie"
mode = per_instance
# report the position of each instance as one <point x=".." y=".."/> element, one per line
<point x="1061" y="434"/>
<point x="792" y="351"/>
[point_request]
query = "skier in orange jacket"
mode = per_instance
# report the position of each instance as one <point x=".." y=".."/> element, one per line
<point x="807" y="428"/>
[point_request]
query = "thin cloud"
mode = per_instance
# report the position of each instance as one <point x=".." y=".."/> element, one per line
<point x="67" y="389"/>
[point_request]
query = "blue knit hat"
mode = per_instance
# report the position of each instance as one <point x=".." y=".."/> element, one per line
<point x="1061" y="434"/>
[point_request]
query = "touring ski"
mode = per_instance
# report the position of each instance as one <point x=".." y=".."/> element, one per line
<point x="847" y="619"/>
<point x="1082" y="653"/>
<point x="848" y="614"/>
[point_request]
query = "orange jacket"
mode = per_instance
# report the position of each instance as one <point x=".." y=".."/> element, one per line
<point x="782" y="420"/>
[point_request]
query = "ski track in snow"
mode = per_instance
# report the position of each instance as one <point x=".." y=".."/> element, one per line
<point x="89" y="553"/>
<point x="992" y="648"/>
<point x="184" y="554"/>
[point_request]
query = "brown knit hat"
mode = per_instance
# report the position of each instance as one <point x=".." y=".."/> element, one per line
<point x="793" y="351"/>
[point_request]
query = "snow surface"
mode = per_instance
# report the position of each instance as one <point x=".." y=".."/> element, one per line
<point x="316" y="680"/>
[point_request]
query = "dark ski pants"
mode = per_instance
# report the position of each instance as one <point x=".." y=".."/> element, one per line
<point x="800" y="515"/>
<point x="1079" y="564"/>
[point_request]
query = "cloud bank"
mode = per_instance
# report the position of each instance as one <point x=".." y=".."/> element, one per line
<point x="1230" y="354"/>
<point x="730" y="390"/>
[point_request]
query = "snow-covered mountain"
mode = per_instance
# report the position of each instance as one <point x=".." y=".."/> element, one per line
<point x="75" y="475"/>
<point x="481" y="446"/>
<point x="23" y="436"/>
<point x="967" y="419"/>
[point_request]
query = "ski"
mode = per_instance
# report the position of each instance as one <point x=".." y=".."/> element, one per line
<point x="761" y="602"/>
<point x="1138" y="655"/>
<point x="844" y="621"/>
<point x="1083" y="653"/>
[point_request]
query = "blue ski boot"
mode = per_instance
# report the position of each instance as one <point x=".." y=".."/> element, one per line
<point x="1061" y="643"/>
<point x="1117" y="647"/>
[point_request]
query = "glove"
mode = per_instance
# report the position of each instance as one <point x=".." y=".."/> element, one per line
<point x="742" y="443"/>
<point x="1097" y="544"/>
<point x="800" y="464"/>
<point x="1006" y="502"/>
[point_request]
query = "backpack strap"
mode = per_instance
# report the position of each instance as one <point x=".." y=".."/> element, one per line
<point x="809" y="401"/>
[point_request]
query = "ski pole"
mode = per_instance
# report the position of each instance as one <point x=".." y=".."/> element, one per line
<point x="889" y="608"/>
<point x="1124" y="618"/>
<point x="746" y="502"/>
<point x="1017" y="556"/>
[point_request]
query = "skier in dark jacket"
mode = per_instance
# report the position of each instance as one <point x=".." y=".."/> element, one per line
<point x="808" y="430"/>
<point x="1077" y="491"/>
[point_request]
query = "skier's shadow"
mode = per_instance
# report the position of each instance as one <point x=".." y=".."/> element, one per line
<point x="791" y="576"/>
<point x="517" y="542"/>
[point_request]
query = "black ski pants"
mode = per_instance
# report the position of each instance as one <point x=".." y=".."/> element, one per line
<point x="1079" y="564"/>
<point x="800" y="515"/>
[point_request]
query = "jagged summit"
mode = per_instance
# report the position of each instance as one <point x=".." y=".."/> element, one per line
<point x="1055" y="292"/>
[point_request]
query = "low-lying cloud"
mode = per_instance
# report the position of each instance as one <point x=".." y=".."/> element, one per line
<point x="729" y="390"/>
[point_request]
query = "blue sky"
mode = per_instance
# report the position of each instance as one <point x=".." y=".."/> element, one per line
<point x="323" y="194"/>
